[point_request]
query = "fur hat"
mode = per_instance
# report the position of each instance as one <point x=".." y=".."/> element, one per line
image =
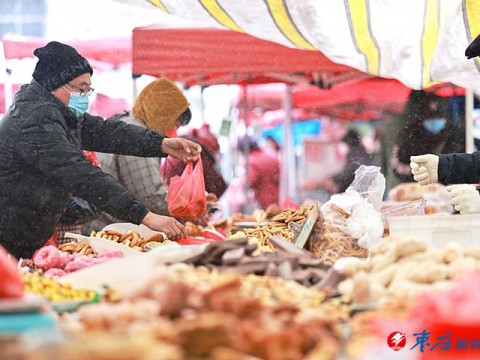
<point x="58" y="64"/>
<point x="159" y="105"/>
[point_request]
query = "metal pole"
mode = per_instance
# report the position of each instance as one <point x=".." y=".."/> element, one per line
<point x="202" y="103"/>
<point x="247" y="152"/>
<point x="469" y="143"/>
<point x="289" y="164"/>
<point x="134" y="87"/>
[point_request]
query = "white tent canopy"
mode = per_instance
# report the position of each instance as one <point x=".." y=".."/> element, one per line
<point x="418" y="42"/>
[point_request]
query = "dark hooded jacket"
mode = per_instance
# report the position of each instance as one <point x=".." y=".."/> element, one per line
<point x="414" y="139"/>
<point x="459" y="168"/>
<point x="42" y="165"/>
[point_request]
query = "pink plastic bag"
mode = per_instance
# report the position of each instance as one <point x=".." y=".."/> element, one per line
<point x="186" y="195"/>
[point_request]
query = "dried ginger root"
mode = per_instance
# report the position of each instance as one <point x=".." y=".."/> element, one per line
<point x="459" y="266"/>
<point x="408" y="246"/>
<point x="451" y="252"/>
<point x="361" y="289"/>
<point x="473" y="252"/>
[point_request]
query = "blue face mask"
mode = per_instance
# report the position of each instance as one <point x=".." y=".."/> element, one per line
<point x="78" y="104"/>
<point x="435" y="126"/>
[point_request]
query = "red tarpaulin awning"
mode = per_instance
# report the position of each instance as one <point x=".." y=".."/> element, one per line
<point x="208" y="56"/>
<point x="115" y="51"/>
<point x="364" y="99"/>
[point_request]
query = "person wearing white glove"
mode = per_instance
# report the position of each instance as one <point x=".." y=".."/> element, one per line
<point x="465" y="198"/>
<point x="425" y="168"/>
<point x="446" y="169"/>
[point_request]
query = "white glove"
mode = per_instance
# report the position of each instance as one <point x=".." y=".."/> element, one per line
<point x="424" y="168"/>
<point x="465" y="198"/>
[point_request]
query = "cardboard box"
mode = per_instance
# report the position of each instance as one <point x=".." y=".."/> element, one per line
<point x="439" y="230"/>
<point x="307" y="227"/>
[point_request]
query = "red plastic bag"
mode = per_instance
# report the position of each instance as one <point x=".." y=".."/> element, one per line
<point x="194" y="241"/>
<point x="186" y="194"/>
<point x="11" y="285"/>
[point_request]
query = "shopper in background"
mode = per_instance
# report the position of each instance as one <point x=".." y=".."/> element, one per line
<point x="457" y="168"/>
<point x="42" y="164"/>
<point x="357" y="155"/>
<point x="430" y="130"/>
<point x="214" y="181"/>
<point x="161" y="106"/>
<point x="390" y="136"/>
<point x="271" y="146"/>
<point x="263" y="172"/>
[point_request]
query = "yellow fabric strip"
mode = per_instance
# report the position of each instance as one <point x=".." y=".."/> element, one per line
<point x="429" y="39"/>
<point x="359" y="23"/>
<point x="279" y="12"/>
<point x="472" y="17"/>
<point x="160" y="5"/>
<point x="220" y="15"/>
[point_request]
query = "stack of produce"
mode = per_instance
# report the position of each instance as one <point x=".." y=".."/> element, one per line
<point x="52" y="262"/>
<point x="330" y="239"/>
<point x="130" y="238"/>
<point x="75" y="247"/>
<point x="105" y="346"/>
<point x="404" y="267"/>
<point x="258" y="215"/>
<point x="217" y="320"/>
<point x="54" y="291"/>
<point x="269" y="290"/>
<point x="194" y="229"/>
<point x="237" y="256"/>
<point x="285" y="224"/>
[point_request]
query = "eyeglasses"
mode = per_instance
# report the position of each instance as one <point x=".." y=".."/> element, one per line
<point x="82" y="92"/>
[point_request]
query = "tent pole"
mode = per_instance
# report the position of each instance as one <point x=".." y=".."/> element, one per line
<point x="134" y="87"/>
<point x="247" y="154"/>
<point x="202" y="102"/>
<point x="469" y="143"/>
<point x="289" y="167"/>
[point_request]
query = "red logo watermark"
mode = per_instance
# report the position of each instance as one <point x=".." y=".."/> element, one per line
<point x="397" y="340"/>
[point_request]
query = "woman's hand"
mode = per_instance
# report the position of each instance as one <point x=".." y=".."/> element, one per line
<point x="181" y="149"/>
<point x="168" y="225"/>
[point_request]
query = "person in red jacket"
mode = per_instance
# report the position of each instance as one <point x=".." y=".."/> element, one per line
<point x="263" y="172"/>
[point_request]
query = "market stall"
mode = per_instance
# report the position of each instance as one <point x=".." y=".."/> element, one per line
<point x="186" y="55"/>
<point x="351" y="278"/>
<point x="285" y="284"/>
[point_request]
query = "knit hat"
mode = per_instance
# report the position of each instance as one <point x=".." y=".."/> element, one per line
<point x="58" y="64"/>
<point x="473" y="50"/>
<point x="159" y="105"/>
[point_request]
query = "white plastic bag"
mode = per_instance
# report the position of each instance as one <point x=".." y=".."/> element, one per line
<point x="369" y="182"/>
<point x="362" y="203"/>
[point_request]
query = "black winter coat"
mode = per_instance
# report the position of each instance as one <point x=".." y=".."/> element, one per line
<point x="415" y="140"/>
<point x="459" y="168"/>
<point x="42" y="165"/>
